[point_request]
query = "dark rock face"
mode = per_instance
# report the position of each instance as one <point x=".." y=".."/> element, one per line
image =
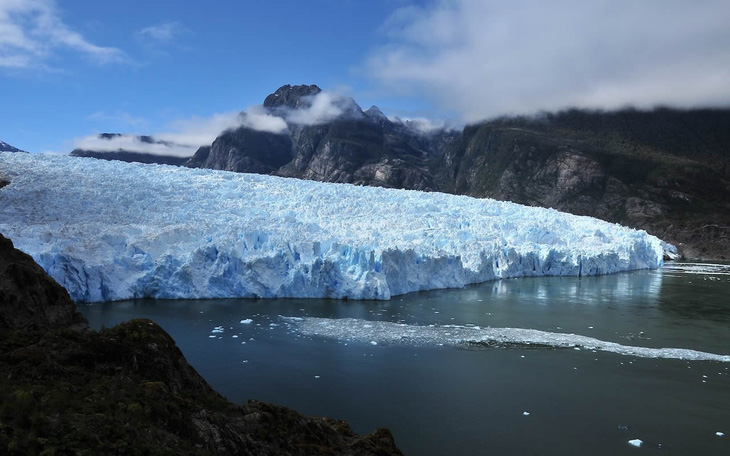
<point x="292" y="97"/>
<point x="355" y="147"/>
<point x="132" y="156"/>
<point x="245" y="150"/>
<point x="358" y="152"/>
<point x="29" y="298"/>
<point x="664" y="171"/>
<point x="128" y="389"/>
<point x="5" y="147"/>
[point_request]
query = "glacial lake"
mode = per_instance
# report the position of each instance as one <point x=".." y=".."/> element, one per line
<point x="450" y="373"/>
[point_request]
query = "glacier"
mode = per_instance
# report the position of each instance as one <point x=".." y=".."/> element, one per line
<point x="109" y="231"/>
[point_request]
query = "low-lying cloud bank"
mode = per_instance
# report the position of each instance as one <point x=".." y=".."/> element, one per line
<point x="184" y="137"/>
<point x="485" y="59"/>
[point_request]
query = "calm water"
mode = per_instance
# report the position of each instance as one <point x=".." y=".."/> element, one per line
<point x="468" y="400"/>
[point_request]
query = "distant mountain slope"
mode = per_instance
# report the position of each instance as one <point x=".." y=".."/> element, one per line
<point x="135" y="149"/>
<point x="5" y="147"/>
<point x="665" y="171"/>
<point x="328" y="138"/>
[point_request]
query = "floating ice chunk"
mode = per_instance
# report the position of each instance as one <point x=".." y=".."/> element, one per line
<point x="636" y="442"/>
<point x="698" y="268"/>
<point x="111" y="230"/>
<point x="385" y="332"/>
<point x="525" y="413"/>
<point x="720" y="434"/>
<point x="247" y="321"/>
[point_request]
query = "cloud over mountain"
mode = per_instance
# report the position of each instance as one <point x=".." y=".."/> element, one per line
<point x="482" y="59"/>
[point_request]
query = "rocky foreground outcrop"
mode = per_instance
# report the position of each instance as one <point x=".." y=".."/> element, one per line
<point x="65" y="389"/>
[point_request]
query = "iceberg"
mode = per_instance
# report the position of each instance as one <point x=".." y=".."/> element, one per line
<point x="109" y="231"/>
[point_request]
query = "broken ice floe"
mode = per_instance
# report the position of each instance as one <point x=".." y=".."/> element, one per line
<point x="636" y="442"/>
<point x="698" y="268"/>
<point x="384" y="332"/>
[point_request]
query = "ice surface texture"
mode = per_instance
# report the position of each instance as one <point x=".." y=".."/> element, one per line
<point x="384" y="332"/>
<point x="112" y="230"/>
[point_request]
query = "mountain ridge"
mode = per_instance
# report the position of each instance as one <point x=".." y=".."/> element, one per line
<point x="663" y="170"/>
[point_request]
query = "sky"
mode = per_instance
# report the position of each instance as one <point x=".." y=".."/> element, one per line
<point x="182" y="71"/>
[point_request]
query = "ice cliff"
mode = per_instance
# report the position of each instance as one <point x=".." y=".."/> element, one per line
<point x="112" y="231"/>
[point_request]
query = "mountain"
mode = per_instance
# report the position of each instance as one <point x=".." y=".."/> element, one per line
<point x="130" y="148"/>
<point x="665" y="171"/>
<point x="5" y="147"/>
<point x="328" y="138"/>
<point x="65" y="389"/>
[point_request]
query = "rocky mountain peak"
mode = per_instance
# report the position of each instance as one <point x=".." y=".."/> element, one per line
<point x="294" y="97"/>
<point x="5" y="147"/>
<point x="376" y="115"/>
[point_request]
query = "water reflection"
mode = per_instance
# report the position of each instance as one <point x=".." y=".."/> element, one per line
<point x="446" y="400"/>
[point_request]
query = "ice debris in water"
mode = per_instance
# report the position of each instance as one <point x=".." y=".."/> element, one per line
<point x="698" y="268"/>
<point x="720" y="434"/>
<point x="385" y="332"/>
<point x="525" y="413"/>
<point x="108" y="230"/>
<point x="247" y="321"/>
<point x="636" y="442"/>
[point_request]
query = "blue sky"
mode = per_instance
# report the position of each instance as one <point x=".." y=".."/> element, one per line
<point x="74" y="68"/>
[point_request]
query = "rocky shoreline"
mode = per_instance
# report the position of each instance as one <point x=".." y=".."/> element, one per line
<point x="65" y="389"/>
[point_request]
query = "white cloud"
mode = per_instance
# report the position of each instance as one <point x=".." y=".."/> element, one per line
<point x="487" y="58"/>
<point x="180" y="139"/>
<point x="324" y="106"/>
<point x="132" y="143"/>
<point x="163" y="33"/>
<point x="422" y="125"/>
<point x="257" y="118"/>
<point x="197" y="131"/>
<point x="32" y="30"/>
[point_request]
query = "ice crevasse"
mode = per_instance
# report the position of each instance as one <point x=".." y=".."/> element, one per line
<point x="109" y="230"/>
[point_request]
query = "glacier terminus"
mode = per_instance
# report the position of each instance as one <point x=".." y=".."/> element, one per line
<point x="110" y="231"/>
